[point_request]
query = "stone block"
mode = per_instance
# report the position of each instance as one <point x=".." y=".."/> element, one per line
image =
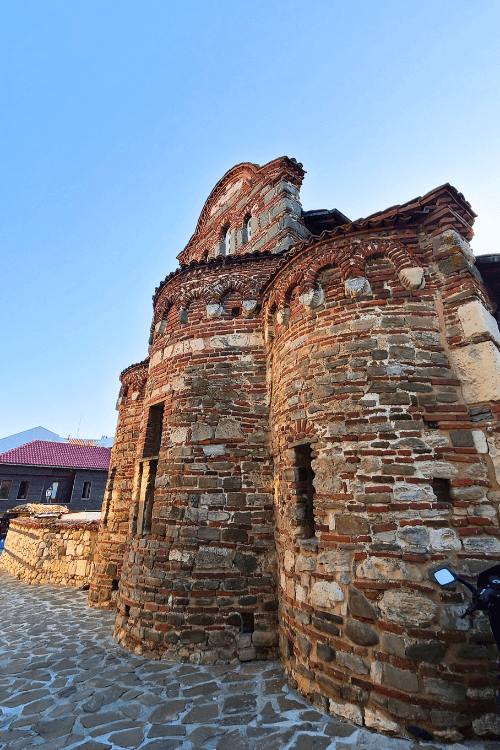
<point x="478" y="367"/>
<point x="324" y="652"/>
<point x="265" y="638"/>
<point x="431" y="653"/>
<point x="214" y="557"/>
<point x="348" y="711"/>
<point x="354" y="663"/>
<point x="476" y="320"/>
<point x="361" y="633"/>
<point x="462" y="438"/>
<point x="406" y="711"/>
<point x="392" y="644"/>
<point x="360" y="606"/>
<point x="351" y="525"/>
<point x="449" y="719"/>
<point x="326" y="594"/>
<point x="444" y="540"/>
<point x="401" y="679"/>
<point x="406" y="608"/>
<point x="450" y="691"/>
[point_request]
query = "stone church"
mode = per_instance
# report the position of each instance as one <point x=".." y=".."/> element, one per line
<point x="314" y="432"/>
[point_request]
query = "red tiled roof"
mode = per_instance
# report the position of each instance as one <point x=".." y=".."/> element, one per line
<point x="45" y="453"/>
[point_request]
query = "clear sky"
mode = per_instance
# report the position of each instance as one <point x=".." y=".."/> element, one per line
<point x="119" y="116"/>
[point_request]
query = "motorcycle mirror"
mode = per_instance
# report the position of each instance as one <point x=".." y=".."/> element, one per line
<point x="444" y="576"/>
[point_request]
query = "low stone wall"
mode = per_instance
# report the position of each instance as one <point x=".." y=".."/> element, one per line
<point x="48" y="551"/>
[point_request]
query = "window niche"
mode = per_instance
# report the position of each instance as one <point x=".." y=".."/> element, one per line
<point x="146" y="478"/>
<point x="441" y="488"/>
<point x="154" y="428"/>
<point x="227" y="241"/>
<point x="305" y="491"/>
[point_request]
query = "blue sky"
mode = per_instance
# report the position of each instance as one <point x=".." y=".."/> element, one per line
<point x="119" y="117"/>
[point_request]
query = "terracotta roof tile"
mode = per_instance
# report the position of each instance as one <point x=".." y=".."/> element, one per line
<point x="45" y="453"/>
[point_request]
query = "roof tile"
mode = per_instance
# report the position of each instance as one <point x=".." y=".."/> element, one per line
<point x="45" y="453"/>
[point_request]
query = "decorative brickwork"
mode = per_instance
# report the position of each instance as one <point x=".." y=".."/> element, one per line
<point x="314" y="432"/>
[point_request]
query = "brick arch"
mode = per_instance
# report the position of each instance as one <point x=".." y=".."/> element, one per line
<point x="215" y="291"/>
<point x="329" y="257"/>
<point x="187" y="298"/>
<point x="269" y="319"/>
<point x="397" y="253"/>
<point x="284" y="292"/>
<point x="244" y="287"/>
<point x="162" y="309"/>
<point x="135" y="376"/>
<point x="302" y="429"/>
<point x="352" y="258"/>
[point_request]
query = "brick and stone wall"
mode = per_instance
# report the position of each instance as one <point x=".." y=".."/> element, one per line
<point x="117" y="498"/>
<point x="403" y="484"/>
<point x="314" y="432"/>
<point x="48" y="551"/>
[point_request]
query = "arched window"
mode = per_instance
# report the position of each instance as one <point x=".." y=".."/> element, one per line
<point x="248" y="227"/>
<point x="227" y="241"/>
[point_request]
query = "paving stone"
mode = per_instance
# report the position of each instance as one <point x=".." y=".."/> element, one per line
<point x="38" y="707"/>
<point x="201" y="734"/>
<point x="337" y="729"/>
<point x="239" y="703"/>
<point x="168" y="711"/>
<point x="200" y="715"/>
<point x="207" y="688"/>
<point x="166" y="730"/>
<point x="161" y="745"/>
<point x="306" y="742"/>
<point x="25" y="697"/>
<point x="97" y="720"/>
<point x="232" y="741"/>
<point x="236" y="720"/>
<point x="287" y="704"/>
<point x="56" y="728"/>
<point x="93" y="745"/>
<point x="131" y="738"/>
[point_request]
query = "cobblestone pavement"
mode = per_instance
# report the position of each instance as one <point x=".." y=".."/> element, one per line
<point x="64" y="683"/>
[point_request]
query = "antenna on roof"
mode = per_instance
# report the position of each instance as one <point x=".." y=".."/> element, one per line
<point x="79" y="423"/>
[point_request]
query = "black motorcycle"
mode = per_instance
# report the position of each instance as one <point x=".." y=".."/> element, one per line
<point x="485" y="596"/>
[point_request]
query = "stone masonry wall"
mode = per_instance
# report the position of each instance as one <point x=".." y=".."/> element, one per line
<point x="48" y="551"/>
<point x="315" y="431"/>
<point x="198" y="577"/>
<point x="402" y="485"/>
<point x="117" y="499"/>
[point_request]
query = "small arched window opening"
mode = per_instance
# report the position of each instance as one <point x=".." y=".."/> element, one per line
<point x="248" y="227"/>
<point x="227" y="241"/>
<point x="305" y="490"/>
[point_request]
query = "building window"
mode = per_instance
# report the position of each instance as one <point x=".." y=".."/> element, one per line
<point x="54" y="492"/>
<point x="305" y="491"/>
<point x="153" y="430"/>
<point x="248" y="227"/>
<point x="86" y="490"/>
<point x="5" y="489"/>
<point x="22" y="492"/>
<point x="441" y="488"/>
<point x="227" y="241"/>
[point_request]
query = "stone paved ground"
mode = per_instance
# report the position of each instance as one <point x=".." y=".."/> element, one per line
<point x="64" y="683"/>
